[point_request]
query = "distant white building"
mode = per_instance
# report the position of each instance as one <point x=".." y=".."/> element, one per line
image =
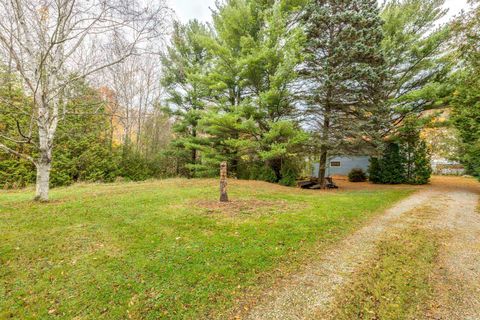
<point x="442" y="166"/>
<point x="342" y="165"/>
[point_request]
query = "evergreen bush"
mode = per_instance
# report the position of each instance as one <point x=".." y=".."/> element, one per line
<point x="375" y="171"/>
<point x="16" y="174"/>
<point x="289" y="173"/>
<point x="267" y="174"/>
<point x="392" y="165"/>
<point x="357" y="175"/>
<point x="395" y="168"/>
<point x="422" y="170"/>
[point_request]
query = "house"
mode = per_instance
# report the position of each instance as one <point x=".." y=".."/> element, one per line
<point x="442" y="166"/>
<point x="342" y="165"/>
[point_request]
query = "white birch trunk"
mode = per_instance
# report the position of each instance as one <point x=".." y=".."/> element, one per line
<point x="44" y="162"/>
<point x="43" y="181"/>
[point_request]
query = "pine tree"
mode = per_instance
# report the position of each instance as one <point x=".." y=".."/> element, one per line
<point x="414" y="150"/>
<point x="184" y="67"/>
<point x="343" y="74"/>
<point x="406" y="158"/>
<point x="409" y="137"/>
<point x="422" y="170"/>
<point x="392" y="165"/>
<point x="414" y="47"/>
<point x="466" y="81"/>
<point x="375" y="171"/>
<point x="251" y="122"/>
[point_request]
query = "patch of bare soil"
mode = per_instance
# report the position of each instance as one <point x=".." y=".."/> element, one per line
<point x="244" y="207"/>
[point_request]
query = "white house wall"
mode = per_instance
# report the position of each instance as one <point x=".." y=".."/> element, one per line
<point x="346" y="165"/>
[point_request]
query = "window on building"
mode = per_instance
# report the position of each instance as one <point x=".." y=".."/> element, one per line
<point x="335" y="164"/>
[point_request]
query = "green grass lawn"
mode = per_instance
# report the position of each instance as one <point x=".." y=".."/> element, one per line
<point x="395" y="285"/>
<point x="152" y="250"/>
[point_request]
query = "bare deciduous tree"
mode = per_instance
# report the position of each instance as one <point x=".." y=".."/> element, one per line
<point x="52" y="43"/>
<point x="136" y="85"/>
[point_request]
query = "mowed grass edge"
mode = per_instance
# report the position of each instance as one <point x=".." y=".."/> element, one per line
<point x="147" y="251"/>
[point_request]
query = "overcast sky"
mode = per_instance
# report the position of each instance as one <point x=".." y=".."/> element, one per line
<point x="200" y="9"/>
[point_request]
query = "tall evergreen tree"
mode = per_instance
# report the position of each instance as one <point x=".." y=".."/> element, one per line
<point x="422" y="169"/>
<point x="234" y="21"/>
<point x="414" y="151"/>
<point x="184" y="66"/>
<point x="252" y="119"/>
<point x="415" y="49"/>
<point x="466" y="95"/>
<point x="343" y="74"/>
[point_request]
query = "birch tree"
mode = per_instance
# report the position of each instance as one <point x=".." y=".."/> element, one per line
<point x="53" y="43"/>
<point x="136" y="84"/>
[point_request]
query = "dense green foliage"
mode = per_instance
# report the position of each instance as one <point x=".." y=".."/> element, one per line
<point x="161" y="249"/>
<point x="406" y="159"/>
<point x="184" y="67"/>
<point x="466" y="93"/>
<point x="357" y="175"/>
<point x="14" y="171"/>
<point x="414" y="47"/>
<point x="388" y="169"/>
<point x="242" y="72"/>
<point x="84" y="150"/>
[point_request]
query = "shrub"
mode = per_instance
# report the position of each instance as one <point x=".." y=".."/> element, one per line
<point x="402" y="163"/>
<point x="16" y="174"/>
<point x="357" y="175"/>
<point x="290" y="171"/>
<point x="392" y="165"/>
<point x="267" y="174"/>
<point x="289" y="177"/>
<point x="375" y="171"/>
<point x="135" y="167"/>
<point x="390" y="169"/>
<point x="421" y="169"/>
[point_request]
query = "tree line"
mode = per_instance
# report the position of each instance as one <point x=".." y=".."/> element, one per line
<point x="265" y="86"/>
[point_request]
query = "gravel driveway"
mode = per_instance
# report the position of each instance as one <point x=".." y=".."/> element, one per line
<point x="309" y="293"/>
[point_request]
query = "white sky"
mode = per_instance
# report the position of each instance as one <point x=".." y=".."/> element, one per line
<point x="200" y="9"/>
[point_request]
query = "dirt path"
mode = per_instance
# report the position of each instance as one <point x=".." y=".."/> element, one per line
<point x="306" y="294"/>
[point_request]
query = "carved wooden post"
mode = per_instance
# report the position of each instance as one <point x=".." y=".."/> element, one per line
<point x="223" y="182"/>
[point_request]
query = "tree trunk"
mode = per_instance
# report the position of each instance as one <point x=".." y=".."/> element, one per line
<point x="324" y="147"/>
<point x="193" y="172"/>
<point x="46" y="133"/>
<point x="43" y="177"/>
<point x="323" y="166"/>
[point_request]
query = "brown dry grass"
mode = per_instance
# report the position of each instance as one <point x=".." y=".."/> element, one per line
<point x="244" y="207"/>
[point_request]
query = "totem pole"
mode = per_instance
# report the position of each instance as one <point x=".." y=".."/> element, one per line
<point x="223" y="182"/>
